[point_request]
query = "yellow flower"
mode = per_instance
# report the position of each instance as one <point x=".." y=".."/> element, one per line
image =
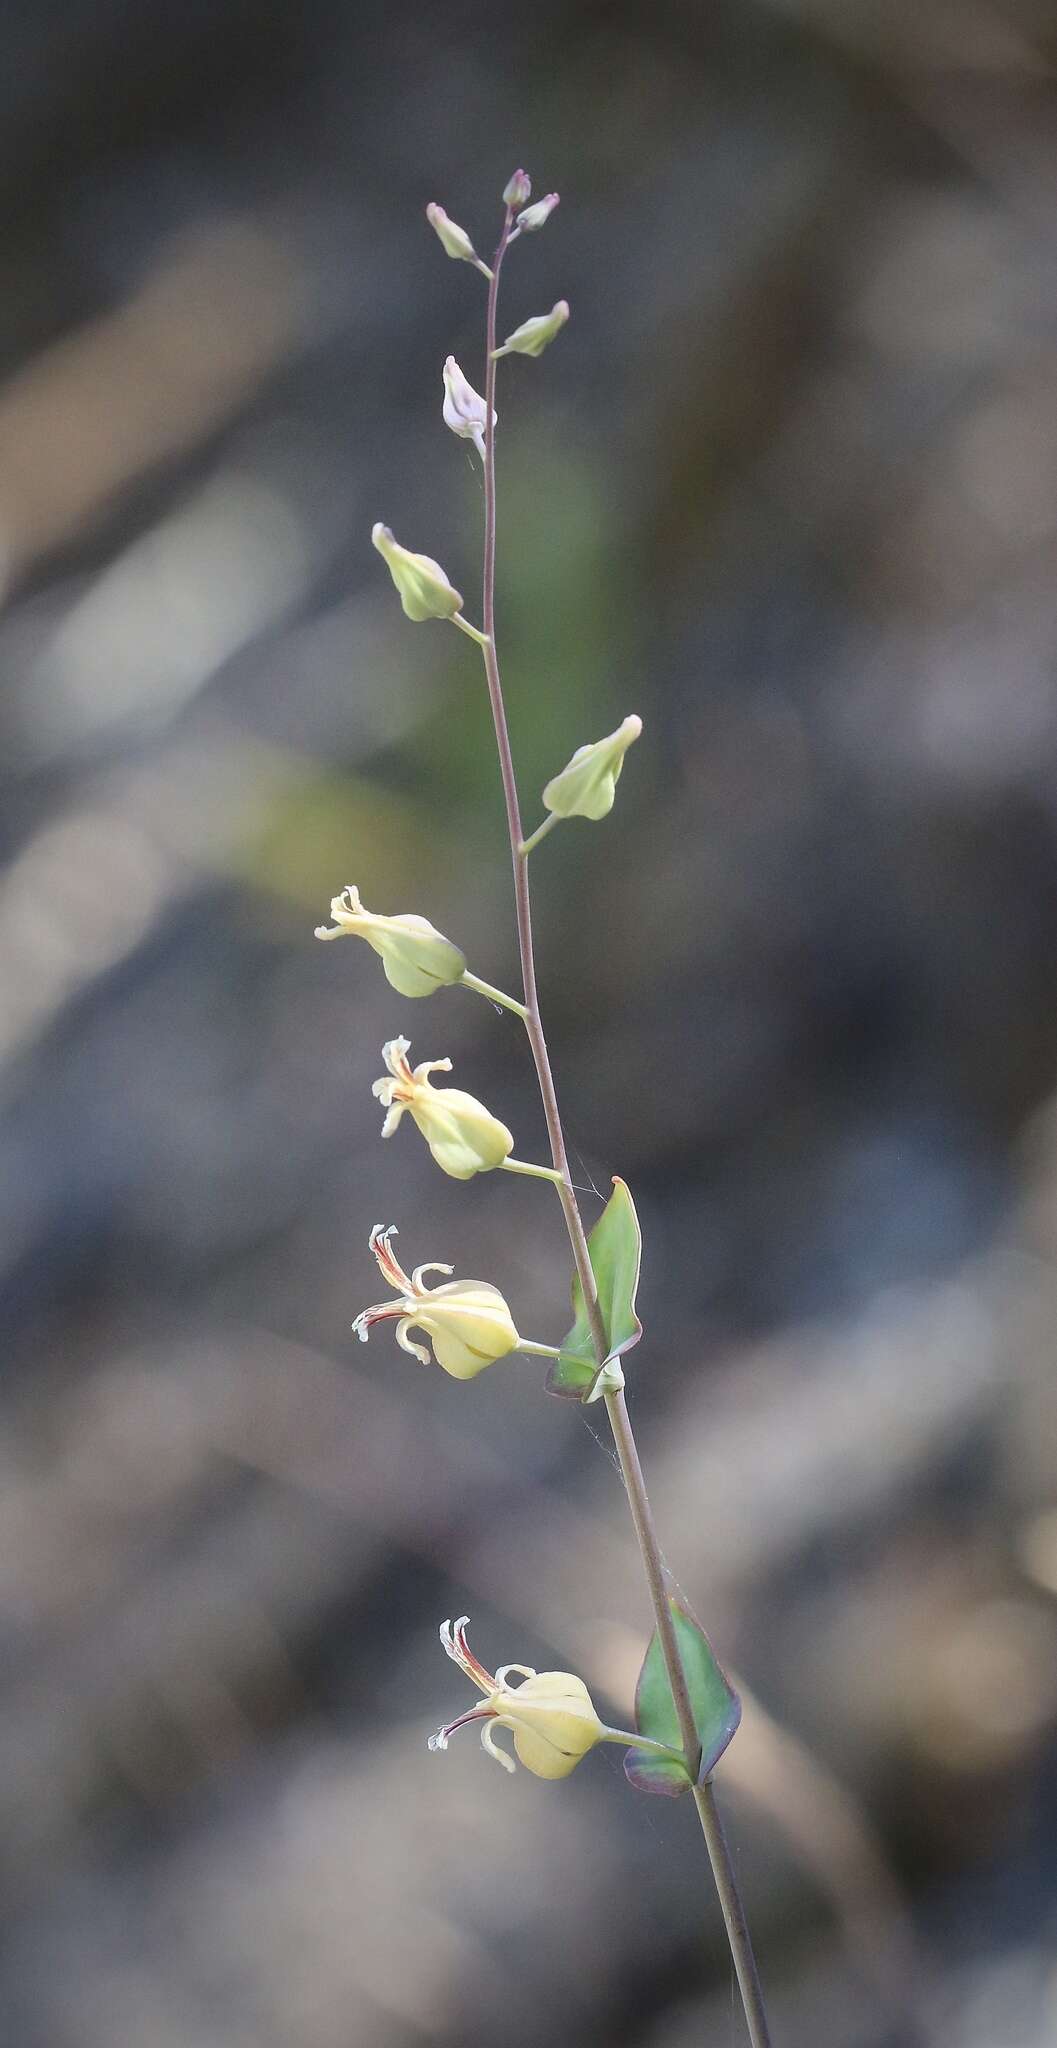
<point x="550" y="1714"/>
<point x="463" y="1136"/>
<point x="467" y="1322"/>
<point x="587" y="785"/>
<point x="417" y="957"/>
<point x="425" y="592"/>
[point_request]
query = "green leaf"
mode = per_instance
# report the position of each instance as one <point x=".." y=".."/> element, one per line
<point x="615" y="1246"/>
<point x="717" y="1709"/>
<point x="571" y="1377"/>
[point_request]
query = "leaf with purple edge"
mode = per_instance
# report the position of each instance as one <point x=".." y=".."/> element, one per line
<point x="615" y="1247"/>
<point x="717" y="1709"/>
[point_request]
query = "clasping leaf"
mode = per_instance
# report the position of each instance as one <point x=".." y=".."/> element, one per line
<point x="717" y="1709"/>
<point x="615" y="1246"/>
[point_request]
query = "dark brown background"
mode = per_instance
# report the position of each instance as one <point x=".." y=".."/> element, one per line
<point x="787" y="486"/>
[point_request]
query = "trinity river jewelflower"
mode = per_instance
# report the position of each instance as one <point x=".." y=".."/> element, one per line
<point x="587" y="784"/>
<point x="463" y="1136"/>
<point x="464" y="409"/>
<point x="417" y="958"/>
<point x="532" y="337"/>
<point x="467" y="1322"/>
<point x="425" y="592"/>
<point x="549" y="1714"/>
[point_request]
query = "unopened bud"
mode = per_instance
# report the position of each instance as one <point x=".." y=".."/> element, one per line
<point x="518" y="189"/>
<point x="587" y="785"/>
<point x="464" y="408"/>
<point x="453" y="239"/>
<point x="532" y="337"/>
<point x="425" y="592"/>
<point x="536" y="216"/>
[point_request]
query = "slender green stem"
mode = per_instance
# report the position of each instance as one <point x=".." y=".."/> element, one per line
<point x="465" y="627"/>
<point x="538" y="1172"/>
<point x="620" y="1423"/>
<point x="540" y="833"/>
<point x="494" y="995"/>
<point x="649" y="1546"/>
<point x="538" y="1350"/>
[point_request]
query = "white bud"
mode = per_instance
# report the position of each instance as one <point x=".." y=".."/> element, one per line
<point x="536" y="216"/>
<point x="517" y="189"/>
<point x="464" y="408"/>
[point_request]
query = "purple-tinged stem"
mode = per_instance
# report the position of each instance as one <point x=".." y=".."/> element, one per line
<point x="616" y="1407"/>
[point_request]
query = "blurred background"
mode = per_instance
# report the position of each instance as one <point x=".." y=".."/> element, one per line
<point x="786" y="486"/>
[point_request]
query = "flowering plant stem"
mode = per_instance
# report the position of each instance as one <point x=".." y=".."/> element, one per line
<point x="616" y="1407"/>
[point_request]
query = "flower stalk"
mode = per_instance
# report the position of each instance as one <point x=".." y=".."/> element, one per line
<point x="492" y="995"/>
<point x="683" y="1695"/>
<point x="529" y="845"/>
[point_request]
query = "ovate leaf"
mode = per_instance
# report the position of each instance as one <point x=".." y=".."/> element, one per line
<point x="717" y="1709"/>
<point x="615" y="1246"/>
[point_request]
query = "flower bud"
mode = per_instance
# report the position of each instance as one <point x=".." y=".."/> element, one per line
<point x="532" y="337"/>
<point x="587" y="786"/>
<point x="550" y="1714"/>
<point x="467" y="1322"/>
<point x="518" y="189"/>
<point x="537" y="216"/>
<point x="453" y="239"/>
<point x="464" y="408"/>
<point x="425" y="592"/>
<point x="463" y="1136"/>
<point x="417" y="958"/>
